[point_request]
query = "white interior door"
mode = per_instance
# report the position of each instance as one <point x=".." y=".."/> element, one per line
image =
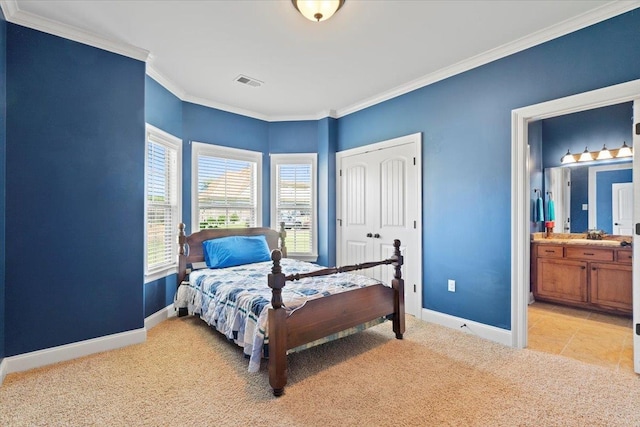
<point x="379" y="202"/>
<point x="622" y="208"/>
<point x="636" y="237"/>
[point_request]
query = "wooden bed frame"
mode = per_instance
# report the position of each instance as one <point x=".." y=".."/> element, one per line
<point x="318" y="318"/>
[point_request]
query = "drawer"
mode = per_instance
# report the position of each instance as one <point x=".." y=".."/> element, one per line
<point x="625" y="257"/>
<point x="590" y="254"/>
<point x="549" y="251"/>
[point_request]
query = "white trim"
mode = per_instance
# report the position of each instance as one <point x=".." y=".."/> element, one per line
<point x="297" y="158"/>
<point x="224" y="107"/>
<point x="563" y="28"/>
<point x="229" y="153"/>
<point x="593" y="188"/>
<point x="36" y="359"/>
<point x="159" y="316"/>
<point x="14" y="15"/>
<point x="491" y="333"/>
<point x="164" y="81"/>
<point x="3" y="370"/>
<point x="520" y="238"/>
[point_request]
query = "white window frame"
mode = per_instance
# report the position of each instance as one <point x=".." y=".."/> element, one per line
<point x="204" y="149"/>
<point x="171" y="142"/>
<point x="290" y="159"/>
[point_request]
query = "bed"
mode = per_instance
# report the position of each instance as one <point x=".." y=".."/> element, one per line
<point x="270" y="313"/>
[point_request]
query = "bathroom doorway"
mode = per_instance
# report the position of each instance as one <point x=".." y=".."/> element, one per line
<point x="521" y="194"/>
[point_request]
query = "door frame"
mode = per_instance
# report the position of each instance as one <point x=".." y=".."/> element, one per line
<point x="520" y="191"/>
<point x="416" y="139"/>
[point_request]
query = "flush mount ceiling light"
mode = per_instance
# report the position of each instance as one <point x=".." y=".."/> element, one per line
<point x="317" y="10"/>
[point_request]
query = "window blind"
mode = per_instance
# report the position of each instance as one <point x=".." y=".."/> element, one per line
<point x="226" y="192"/>
<point x="162" y="204"/>
<point x="294" y="204"/>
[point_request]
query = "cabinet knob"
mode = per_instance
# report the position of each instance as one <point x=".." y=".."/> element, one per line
<point x="369" y="235"/>
<point x="593" y="268"/>
<point x="376" y="236"/>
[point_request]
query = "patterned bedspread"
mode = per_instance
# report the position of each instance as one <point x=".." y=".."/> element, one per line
<point x="235" y="300"/>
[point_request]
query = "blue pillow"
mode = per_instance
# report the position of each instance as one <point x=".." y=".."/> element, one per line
<point x="235" y="250"/>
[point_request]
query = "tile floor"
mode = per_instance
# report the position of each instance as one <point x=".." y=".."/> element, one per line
<point x="589" y="336"/>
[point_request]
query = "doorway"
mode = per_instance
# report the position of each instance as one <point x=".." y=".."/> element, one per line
<point x="520" y="187"/>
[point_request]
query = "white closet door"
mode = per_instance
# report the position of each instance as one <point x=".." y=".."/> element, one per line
<point x="379" y="200"/>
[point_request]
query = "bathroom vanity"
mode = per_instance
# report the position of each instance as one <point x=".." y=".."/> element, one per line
<point x="593" y="274"/>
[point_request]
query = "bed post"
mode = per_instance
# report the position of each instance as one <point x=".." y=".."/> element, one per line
<point x="277" y="328"/>
<point x="182" y="253"/>
<point x="398" y="286"/>
<point x="283" y="235"/>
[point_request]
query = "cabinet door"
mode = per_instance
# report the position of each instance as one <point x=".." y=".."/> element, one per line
<point x="611" y="286"/>
<point x="561" y="280"/>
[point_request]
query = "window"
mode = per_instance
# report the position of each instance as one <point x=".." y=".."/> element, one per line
<point x="293" y="201"/>
<point x="225" y="187"/>
<point x="162" y="201"/>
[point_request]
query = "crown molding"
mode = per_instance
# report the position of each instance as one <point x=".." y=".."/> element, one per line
<point x="164" y="81"/>
<point x="228" y="108"/>
<point x="14" y="15"/>
<point x="563" y="28"/>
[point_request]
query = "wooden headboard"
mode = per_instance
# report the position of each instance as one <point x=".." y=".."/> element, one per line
<point x="190" y="247"/>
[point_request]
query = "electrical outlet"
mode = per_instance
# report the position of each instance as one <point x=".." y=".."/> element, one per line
<point x="451" y="285"/>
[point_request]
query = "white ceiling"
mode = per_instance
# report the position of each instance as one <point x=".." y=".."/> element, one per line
<point x="368" y="52"/>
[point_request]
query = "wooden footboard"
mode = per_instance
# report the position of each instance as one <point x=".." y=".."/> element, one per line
<point x="327" y="315"/>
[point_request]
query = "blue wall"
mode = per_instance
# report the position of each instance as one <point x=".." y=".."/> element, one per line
<point x="3" y="187"/>
<point x="604" y="198"/>
<point x="163" y="110"/>
<point x="74" y="192"/>
<point x="467" y="199"/>
<point x="211" y="126"/>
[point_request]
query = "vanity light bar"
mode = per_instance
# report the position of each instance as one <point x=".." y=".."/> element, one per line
<point x="604" y="154"/>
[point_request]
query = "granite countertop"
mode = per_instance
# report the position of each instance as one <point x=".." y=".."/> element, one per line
<point x="581" y="239"/>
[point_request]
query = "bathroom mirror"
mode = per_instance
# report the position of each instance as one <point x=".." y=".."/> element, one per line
<point x="591" y="197"/>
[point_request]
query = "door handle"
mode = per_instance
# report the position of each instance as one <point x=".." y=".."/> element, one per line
<point x="376" y="236"/>
<point x="369" y="235"/>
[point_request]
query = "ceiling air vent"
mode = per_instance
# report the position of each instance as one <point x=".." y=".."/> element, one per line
<point x="249" y="81"/>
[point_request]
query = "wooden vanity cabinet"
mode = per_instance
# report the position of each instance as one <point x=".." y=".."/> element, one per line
<point x="611" y="286"/>
<point x="583" y="276"/>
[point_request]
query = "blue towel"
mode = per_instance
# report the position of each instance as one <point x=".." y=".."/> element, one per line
<point x="552" y="211"/>
<point x="539" y="215"/>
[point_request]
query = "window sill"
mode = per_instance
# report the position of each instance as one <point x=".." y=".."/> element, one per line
<point x="159" y="274"/>
<point x="303" y="257"/>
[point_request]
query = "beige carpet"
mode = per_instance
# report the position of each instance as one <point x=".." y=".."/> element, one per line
<point x="187" y="374"/>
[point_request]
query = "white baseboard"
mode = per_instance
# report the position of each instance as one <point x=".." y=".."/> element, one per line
<point x="481" y="330"/>
<point x="160" y="315"/>
<point x="48" y="356"/>
<point x="3" y="370"/>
